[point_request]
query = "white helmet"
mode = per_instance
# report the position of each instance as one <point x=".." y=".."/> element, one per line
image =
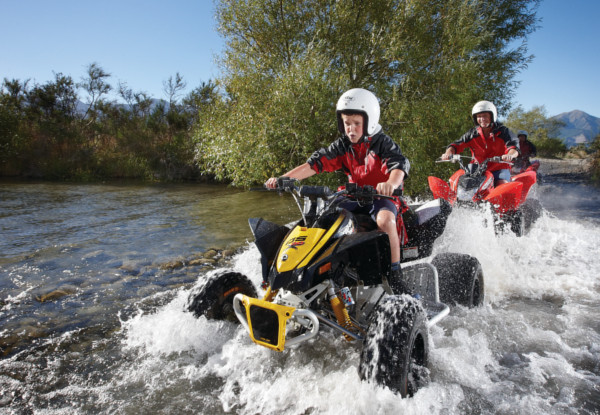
<point x="484" y="106"/>
<point x="522" y="132"/>
<point x="359" y="101"/>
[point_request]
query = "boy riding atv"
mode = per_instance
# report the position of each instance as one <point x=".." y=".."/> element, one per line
<point x="331" y="270"/>
<point x="368" y="157"/>
<point x="487" y="139"/>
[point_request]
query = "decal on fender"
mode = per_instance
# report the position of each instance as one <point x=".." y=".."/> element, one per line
<point x="294" y="243"/>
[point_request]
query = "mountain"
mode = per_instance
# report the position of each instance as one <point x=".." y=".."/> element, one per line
<point x="580" y="127"/>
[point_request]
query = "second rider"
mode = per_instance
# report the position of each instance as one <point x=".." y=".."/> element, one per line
<point x="488" y="138"/>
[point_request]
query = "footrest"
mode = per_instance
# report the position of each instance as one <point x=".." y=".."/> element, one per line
<point x="435" y="311"/>
<point x="421" y="279"/>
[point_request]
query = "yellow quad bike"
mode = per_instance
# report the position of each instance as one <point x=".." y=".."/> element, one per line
<point x="331" y="271"/>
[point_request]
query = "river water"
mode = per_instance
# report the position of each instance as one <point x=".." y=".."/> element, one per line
<point x="93" y="320"/>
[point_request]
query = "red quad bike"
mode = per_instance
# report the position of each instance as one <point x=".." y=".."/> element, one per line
<point x="473" y="185"/>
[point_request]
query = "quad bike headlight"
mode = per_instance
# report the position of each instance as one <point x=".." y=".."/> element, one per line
<point x="465" y="194"/>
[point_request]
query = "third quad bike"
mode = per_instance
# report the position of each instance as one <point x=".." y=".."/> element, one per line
<point x="473" y="185"/>
<point x="331" y="270"/>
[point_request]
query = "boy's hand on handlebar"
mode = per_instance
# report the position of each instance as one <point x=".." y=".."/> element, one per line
<point x="271" y="183"/>
<point x="508" y="157"/>
<point x="449" y="154"/>
<point x="386" y="189"/>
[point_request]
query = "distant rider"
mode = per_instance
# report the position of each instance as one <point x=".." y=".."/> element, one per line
<point x="488" y="138"/>
<point x="527" y="150"/>
<point x="368" y="157"/>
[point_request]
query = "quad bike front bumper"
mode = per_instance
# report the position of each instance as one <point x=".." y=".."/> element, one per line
<point x="267" y="322"/>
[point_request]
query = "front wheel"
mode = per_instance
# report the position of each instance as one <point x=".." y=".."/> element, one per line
<point x="460" y="279"/>
<point x="395" y="350"/>
<point x="214" y="299"/>
<point x="517" y="223"/>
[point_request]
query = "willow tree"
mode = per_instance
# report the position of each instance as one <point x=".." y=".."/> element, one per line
<point x="286" y="63"/>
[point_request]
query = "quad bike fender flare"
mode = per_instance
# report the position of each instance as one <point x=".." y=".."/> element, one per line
<point x="453" y="180"/>
<point x="506" y="197"/>
<point x="268" y="238"/>
<point x="441" y="189"/>
<point x="306" y="318"/>
<point x="528" y="178"/>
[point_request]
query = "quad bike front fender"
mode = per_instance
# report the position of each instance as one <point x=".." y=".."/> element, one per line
<point x="506" y="197"/>
<point x="441" y="189"/>
<point x="528" y="178"/>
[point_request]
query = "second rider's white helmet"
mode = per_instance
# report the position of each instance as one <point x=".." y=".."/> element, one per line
<point x="484" y="106"/>
<point x="359" y="101"/>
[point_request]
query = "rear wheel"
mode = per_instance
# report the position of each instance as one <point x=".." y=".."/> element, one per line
<point x="214" y="299"/>
<point x="532" y="210"/>
<point x="460" y="279"/>
<point x="395" y="350"/>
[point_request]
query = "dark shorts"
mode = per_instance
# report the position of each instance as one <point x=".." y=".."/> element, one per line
<point x="372" y="210"/>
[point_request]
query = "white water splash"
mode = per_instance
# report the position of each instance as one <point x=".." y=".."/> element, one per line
<point x="532" y="348"/>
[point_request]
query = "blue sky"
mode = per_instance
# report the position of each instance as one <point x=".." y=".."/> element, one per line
<point x="143" y="43"/>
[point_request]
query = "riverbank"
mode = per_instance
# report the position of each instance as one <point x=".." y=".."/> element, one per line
<point x="566" y="169"/>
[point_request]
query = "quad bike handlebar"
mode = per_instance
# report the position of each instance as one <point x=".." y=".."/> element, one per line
<point x="363" y="193"/>
<point x="482" y="167"/>
<point x="314" y="196"/>
<point x="457" y="158"/>
<point x="453" y="159"/>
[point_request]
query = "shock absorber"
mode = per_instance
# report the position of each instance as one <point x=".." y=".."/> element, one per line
<point x="340" y="311"/>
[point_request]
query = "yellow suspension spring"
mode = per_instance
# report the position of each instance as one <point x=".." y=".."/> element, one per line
<point x="341" y="313"/>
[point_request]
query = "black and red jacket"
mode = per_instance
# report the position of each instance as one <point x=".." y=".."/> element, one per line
<point x="528" y="150"/>
<point x="497" y="143"/>
<point x="368" y="162"/>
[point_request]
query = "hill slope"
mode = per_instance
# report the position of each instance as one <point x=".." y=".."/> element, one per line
<point x="580" y="127"/>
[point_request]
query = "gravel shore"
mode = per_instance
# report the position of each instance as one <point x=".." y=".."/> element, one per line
<point x="552" y="167"/>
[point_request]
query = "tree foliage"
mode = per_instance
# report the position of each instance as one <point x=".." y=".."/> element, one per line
<point x="43" y="133"/>
<point x="541" y="130"/>
<point x="286" y="63"/>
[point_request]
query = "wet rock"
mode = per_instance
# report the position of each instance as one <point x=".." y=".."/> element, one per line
<point x="147" y="271"/>
<point x="211" y="253"/>
<point x="55" y="295"/>
<point x="227" y="253"/>
<point x="20" y="336"/>
<point x="202" y="261"/>
<point x="211" y="257"/>
<point x="172" y="265"/>
<point x="32" y="332"/>
<point x="130" y="267"/>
